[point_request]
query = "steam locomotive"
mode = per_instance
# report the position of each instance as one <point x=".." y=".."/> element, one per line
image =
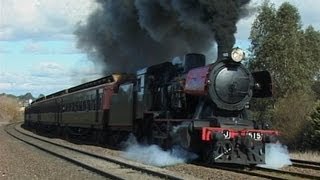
<point x="202" y="108"/>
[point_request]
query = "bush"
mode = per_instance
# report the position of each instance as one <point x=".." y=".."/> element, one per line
<point x="10" y="110"/>
<point x="290" y="117"/>
<point x="312" y="136"/>
<point x="261" y="110"/>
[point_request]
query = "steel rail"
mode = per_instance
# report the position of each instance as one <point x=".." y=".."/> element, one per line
<point x="256" y="171"/>
<point x="308" y="176"/>
<point x="305" y="164"/>
<point x="105" y="174"/>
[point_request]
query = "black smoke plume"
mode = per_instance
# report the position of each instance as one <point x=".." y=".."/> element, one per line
<point x="128" y="34"/>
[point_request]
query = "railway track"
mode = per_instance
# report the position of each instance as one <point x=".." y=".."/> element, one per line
<point x="267" y="173"/>
<point x="286" y="174"/>
<point x="305" y="164"/>
<point x="272" y="173"/>
<point x="247" y="172"/>
<point x="105" y="166"/>
<point x="123" y="170"/>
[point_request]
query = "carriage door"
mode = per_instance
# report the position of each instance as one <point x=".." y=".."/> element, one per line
<point x="121" y="109"/>
<point x="106" y="103"/>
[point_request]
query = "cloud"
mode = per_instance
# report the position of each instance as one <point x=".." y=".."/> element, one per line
<point x="47" y="77"/>
<point x="51" y="47"/>
<point x="69" y="50"/>
<point x="5" y="85"/>
<point x="85" y="71"/>
<point x="308" y="10"/>
<point x="49" y="70"/>
<point x="35" y="47"/>
<point x="41" y="19"/>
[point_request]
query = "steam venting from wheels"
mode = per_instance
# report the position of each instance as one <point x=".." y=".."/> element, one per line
<point x="125" y="35"/>
<point x="155" y="155"/>
<point x="277" y="156"/>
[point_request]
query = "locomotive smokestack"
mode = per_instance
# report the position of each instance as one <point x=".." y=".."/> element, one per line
<point x="140" y="33"/>
<point x="222" y="52"/>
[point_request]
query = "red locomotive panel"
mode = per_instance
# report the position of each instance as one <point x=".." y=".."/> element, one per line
<point x="255" y="134"/>
<point x="196" y="81"/>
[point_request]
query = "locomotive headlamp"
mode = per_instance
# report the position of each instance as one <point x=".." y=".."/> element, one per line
<point x="237" y="54"/>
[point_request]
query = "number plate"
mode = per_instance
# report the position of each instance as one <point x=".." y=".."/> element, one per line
<point x="226" y="134"/>
<point x="255" y="135"/>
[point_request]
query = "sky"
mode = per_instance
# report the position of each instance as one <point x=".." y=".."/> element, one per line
<point x="38" y="52"/>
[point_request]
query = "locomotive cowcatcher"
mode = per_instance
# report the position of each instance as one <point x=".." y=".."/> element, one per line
<point x="202" y="108"/>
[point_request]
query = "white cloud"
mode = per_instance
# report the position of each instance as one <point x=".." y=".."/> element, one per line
<point x="44" y="78"/>
<point x="308" y="9"/>
<point x="85" y="71"/>
<point x="51" y="47"/>
<point x="47" y="77"/>
<point x="41" y="19"/>
<point x="49" y="70"/>
<point x="5" y="86"/>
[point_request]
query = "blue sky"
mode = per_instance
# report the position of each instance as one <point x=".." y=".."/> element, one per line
<point x="38" y="51"/>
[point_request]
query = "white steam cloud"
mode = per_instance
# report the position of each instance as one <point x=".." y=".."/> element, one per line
<point x="277" y="156"/>
<point x="154" y="155"/>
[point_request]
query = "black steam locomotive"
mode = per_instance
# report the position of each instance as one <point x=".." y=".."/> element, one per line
<point x="184" y="102"/>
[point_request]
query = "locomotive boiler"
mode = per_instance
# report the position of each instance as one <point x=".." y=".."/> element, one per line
<point x="202" y="108"/>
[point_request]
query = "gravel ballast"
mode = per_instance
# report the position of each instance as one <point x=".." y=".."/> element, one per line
<point x="21" y="161"/>
<point x="197" y="172"/>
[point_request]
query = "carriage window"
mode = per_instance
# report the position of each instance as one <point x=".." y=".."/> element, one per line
<point x="75" y="106"/>
<point x="67" y="107"/>
<point x="70" y="107"/>
<point x="88" y="105"/>
<point x="84" y="105"/>
<point x="94" y="104"/>
<point x="99" y="103"/>
<point x="80" y="106"/>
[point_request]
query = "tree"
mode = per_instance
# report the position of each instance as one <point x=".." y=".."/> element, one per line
<point x="40" y="96"/>
<point x="275" y="46"/>
<point x="260" y="35"/>
<point x="312" y="137"/>
<point x="311" y="47"/>
<point x="290" y="54"/>
<point x="290" y="116"/>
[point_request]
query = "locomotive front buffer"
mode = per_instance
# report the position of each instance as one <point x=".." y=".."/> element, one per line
<point x="246" y="146"/>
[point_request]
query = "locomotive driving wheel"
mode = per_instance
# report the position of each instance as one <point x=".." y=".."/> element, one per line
<point x="223" y="148"/>
<point x="160" y="134"/>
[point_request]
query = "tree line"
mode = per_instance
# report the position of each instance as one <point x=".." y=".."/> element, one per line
<point x="291" y="53"/>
